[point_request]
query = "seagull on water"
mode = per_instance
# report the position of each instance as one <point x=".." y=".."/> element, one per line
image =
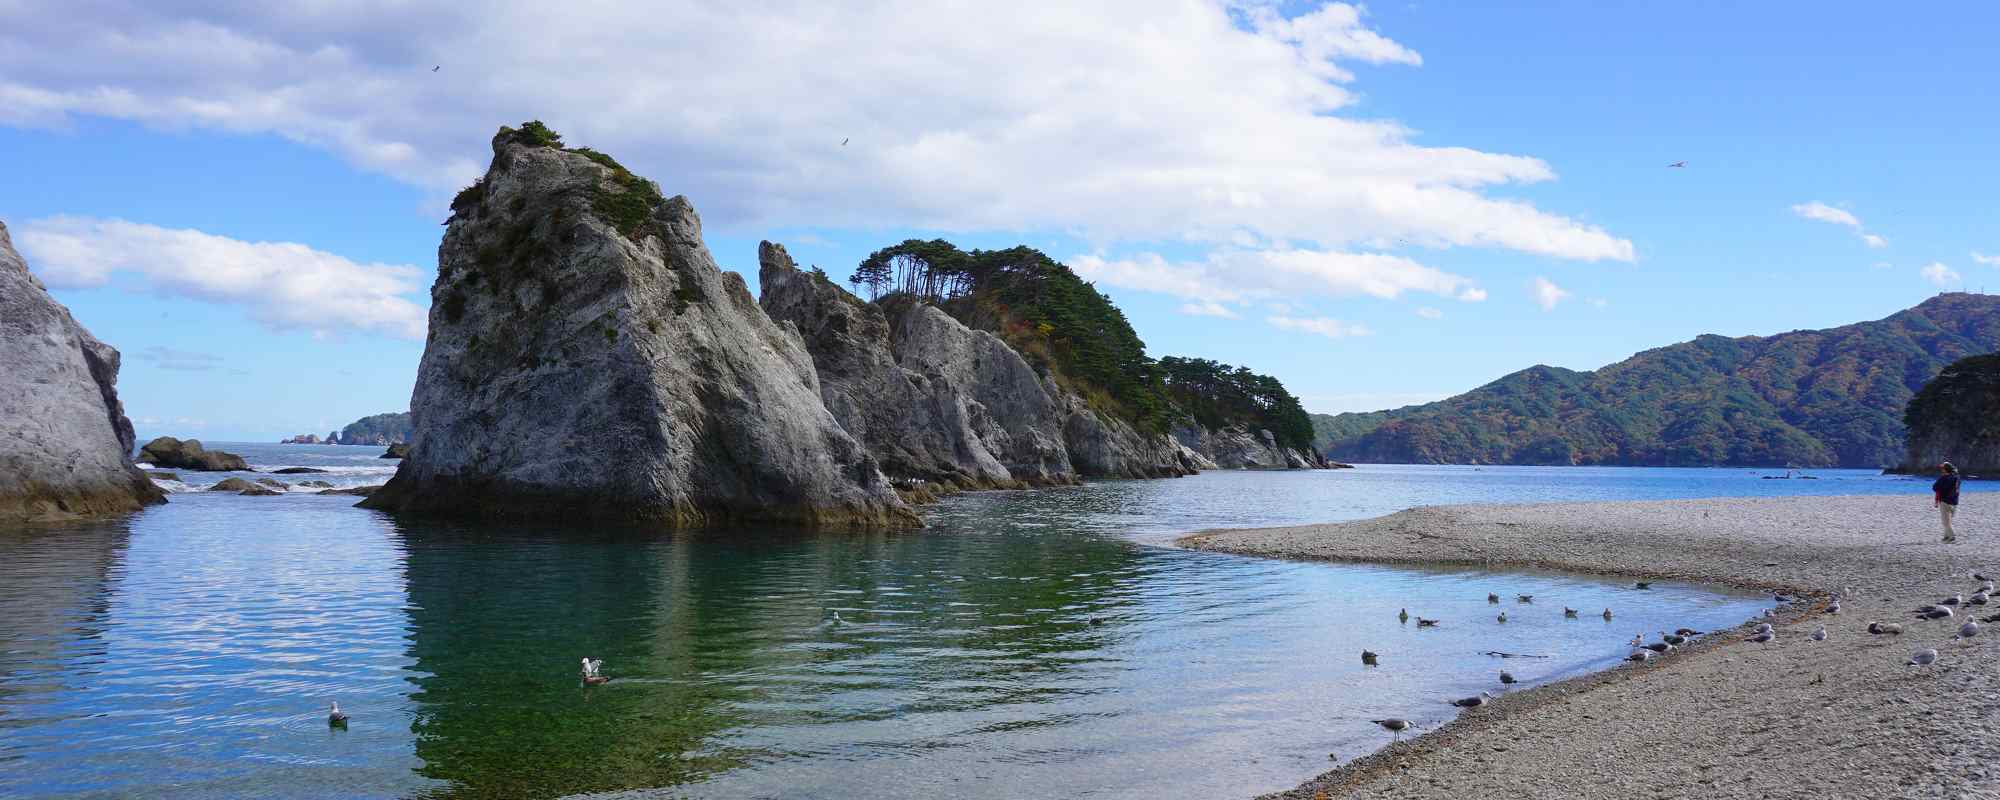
<point x="1967" y="631"/>
<point x="1818" y="634"/>
<point x="1637" y="639"/>
<point x="1607" y="615"/>
<point x="590" y="676"/>
<point x="334" y="717"/>
<point x="1506" y="677"/>
<point x="1426" y="623"/>
<point x="1394" y="724"/>
<point x="1503" y="617"/>
<point x="1569" y="612"/>
<point x="1643" y="585"/>
<point x="1368" y="657"/>
<point x="1492" y="598"/>
<point x="1403" y="615"/>
<point x="1524" y="598"/>
<point x="1923" y="657"/>
<point x="1472" y="702"/>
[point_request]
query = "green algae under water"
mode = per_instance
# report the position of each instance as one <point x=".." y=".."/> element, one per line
<point x="1025" y="643"/>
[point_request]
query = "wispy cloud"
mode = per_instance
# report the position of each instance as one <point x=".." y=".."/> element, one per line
<point x="1323" y="326"/>
<point x="1937" y="273"/>
<point x="1207" y="308"/>
<point x="1981" y="258"/>
<point x="1548" y="294"/>
<point x="1243" y="276"/>
<point x="284" y="285"/>
<point x="183" y="360"/>
<point x="1822" y="212"/>
<point x="1429" y="313"/>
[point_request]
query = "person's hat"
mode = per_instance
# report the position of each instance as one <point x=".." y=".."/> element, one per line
<point x="1947" y="466"/>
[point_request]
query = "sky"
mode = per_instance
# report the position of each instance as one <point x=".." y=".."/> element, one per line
<point x="1381" y="205"/>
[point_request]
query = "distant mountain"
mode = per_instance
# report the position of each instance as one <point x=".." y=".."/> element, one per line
<point x="390" y="428"/>
<point x="1818" y="398"/>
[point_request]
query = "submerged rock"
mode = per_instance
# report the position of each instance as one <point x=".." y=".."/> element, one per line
<point x="297" y="471"/>
<point x="587" y="358"/>
<point x="65" y="444"/>
<point x="931" y="399"/>
<point x="397" y="450"/>
<point x="235" y="485"/>
<point x="357" y="491"/>
<point x="167" y="451"/>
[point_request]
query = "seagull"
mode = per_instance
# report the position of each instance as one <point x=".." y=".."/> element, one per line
<point x="1607" y="615"/>
<point x="1524" y="598"/>
<point x="1880" y="628"/>
<point x="590" y="665"/>
<point x="1403" y="615"/>
<point x="1471" y="702"/>
<point x="1506" y="677"/>
<point x="1993" y="618"/>
<point x="1503" y="617"/>
<point x="1818" y="634"/>
<point x="836" y="618"/>
<point x="1569" y="612"/>
<point x="1368" y="657"/>
<point x="1952" y="600"/>
<point x="1762" y="627"/>
<point x="1981" y="578"/>
<point x="1687" y="632"/>
<point x="1394" y="724"/>
<point x="1967" y="631"/>
<point x="1672" y="639"/>
<point x="1641" y="655"/>
<point x="1426" y="623"/>
<point x="1762" y="637"/>
<point x="1657" y="647"/>
<point x="1770" y="614"/>
<point x="1678" y="165"/>
<point x="1643" y="585"/>
<point x="1935" y="613"/>
<point x="1492" y="598"/>
<point x="1923" y="657"/>
<point x="1833" y="607"/>
<point x="334" y="717"/>
<point x="1978" y="598"/>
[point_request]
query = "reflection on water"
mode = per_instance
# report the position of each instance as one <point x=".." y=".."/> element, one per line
<point x="1023" y="644"/>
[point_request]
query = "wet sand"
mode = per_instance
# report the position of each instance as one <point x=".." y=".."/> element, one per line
<point x="1722" y="718"/>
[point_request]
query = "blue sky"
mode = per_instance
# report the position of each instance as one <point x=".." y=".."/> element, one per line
<point x="1399" y="176"/>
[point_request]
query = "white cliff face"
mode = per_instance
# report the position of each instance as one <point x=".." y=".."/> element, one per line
<point x="587" y="357"/>
<point x="65" y="444"/>
<point x="1239" y="448"/>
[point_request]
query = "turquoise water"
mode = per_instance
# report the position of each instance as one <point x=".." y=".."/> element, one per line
<point x="1024" y="643"/>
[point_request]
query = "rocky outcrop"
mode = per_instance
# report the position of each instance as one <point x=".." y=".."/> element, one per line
<point x="168" y="451"/>
<point x="1104" y="446"/>
<point x="921" y="422"/>
<point x="241" y="486"/>
<point x="1956" y="418"/>
<point x="65" y="444"/>
<point x="397" y="450"/>
<point x="587" y="358"/>
<point x="303" y="438"/>
<point x="1237" y="447"/>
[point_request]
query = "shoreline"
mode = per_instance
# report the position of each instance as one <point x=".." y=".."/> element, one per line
<point x="1791" y="718"/>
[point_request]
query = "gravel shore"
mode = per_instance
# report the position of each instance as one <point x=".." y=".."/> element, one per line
<point x="1724" y="718"/>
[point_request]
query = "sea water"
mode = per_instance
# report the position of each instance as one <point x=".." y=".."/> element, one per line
<point x="1024" y="643"/>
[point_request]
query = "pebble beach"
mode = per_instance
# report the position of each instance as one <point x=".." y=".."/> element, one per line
<point x="1723" y="717"/>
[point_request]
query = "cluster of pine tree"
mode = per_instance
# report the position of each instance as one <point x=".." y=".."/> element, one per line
<point x="1058" y="320"/>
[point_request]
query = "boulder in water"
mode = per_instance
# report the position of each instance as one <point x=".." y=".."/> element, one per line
<point x="65" y="444"/>
<point x="588" y="359"/>
<point x="167" y="451"/>
<point x="397" y="450"/>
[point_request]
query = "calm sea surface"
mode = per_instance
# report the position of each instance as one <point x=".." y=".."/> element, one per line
<point x="1025" y="644"/>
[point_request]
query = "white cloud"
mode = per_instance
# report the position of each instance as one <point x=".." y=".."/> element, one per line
<point x="284" y="285"/>
<point x="1939" y="274"/>
<point x="1207" y="308"/>
<point x="1430" y="313"/>
<point x="1825" y="213"/>
<point x="1991" y="261"/>
<point x="1209" y="121"/>
<point x="1547" y="294"/>
<point x="1239" y="276"/>
<point x="1324" y="326"/>
<point x="1874" y="241"/>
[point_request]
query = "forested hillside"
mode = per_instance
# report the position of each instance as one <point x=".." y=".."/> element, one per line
<point x="1831" y="397"/>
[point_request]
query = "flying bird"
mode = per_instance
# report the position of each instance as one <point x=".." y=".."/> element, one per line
<point x="843" y="142"/>
<point x="1677" y="165"/>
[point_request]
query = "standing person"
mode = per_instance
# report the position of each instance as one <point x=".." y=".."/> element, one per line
<point x="1944" y="495"/>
